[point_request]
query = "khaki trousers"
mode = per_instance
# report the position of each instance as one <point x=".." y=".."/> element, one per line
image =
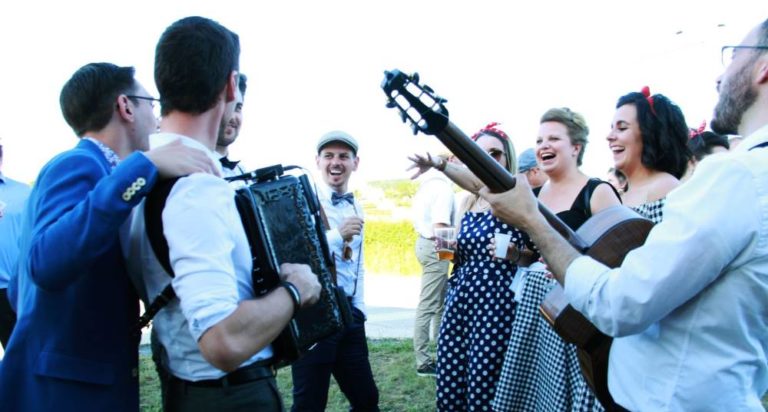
<point x="429" y="312"/>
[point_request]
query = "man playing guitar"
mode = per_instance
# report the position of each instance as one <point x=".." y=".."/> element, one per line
<point x="688" y="308"/>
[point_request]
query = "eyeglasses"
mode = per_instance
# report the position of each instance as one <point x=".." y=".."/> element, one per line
<point x="151" y="100"/>
<point x="496" y="154"/>
<point x="727" y="53"/>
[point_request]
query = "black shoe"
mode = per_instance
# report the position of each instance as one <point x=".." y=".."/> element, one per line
<point x="427" y="369"/>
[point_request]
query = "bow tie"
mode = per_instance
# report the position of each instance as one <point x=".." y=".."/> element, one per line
<point x="228" y="164"/>
<point x="337" y="198"/>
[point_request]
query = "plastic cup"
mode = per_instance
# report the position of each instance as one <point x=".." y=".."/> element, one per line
<point x="445" y="242"/>
<point x="502" y="244"/>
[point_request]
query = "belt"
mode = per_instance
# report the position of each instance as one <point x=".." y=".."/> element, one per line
<point x="246" y="374"/>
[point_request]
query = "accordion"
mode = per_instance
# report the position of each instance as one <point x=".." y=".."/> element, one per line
<point x="282" y="220"/>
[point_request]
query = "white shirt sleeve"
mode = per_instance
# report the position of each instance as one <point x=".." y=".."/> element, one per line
<point x="197" y="225"/>
<point x="698" y="238"/>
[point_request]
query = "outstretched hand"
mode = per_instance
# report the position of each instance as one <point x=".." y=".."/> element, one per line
<point x="177" y="159"/>
<point x="421" y="163"/>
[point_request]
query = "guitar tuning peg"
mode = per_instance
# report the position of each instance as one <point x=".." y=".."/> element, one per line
<point x="403" y="116"/>
<point x="428" y="89"/>
<point x="440" y="100"/>
<point x="391" y="104"/>
<point x="415" y="78"/>
<point x="415" y="129"/>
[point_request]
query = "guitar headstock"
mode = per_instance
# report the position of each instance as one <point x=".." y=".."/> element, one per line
<point x="418" y="104"/>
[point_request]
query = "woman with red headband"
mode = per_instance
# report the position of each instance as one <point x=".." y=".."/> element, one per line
<point x="703" y="143"/>
<point x="479" y="305"/>
<point x="649" y="139"/>
<point x="541" y="371"/>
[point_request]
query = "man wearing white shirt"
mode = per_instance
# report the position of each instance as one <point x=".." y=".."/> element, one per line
<point x="432" y="208"/>
<point x="688" y="308"/>
<point x="344" y="355"/>
<point x="216" y="336"/>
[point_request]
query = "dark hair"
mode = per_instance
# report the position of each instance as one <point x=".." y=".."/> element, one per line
<point x="242" y="83"/>
<point x="664" y="133"/>
<point x="621" y="178"/>
<point x="701" y="145"/>
<point x="87" y="99"/>
<point x="193" y="61"/>
<point x="574" y="123"/>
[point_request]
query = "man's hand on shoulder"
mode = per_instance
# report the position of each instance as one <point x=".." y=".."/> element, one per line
<point x="176" y="159"/>
<point x="305" y="281"/>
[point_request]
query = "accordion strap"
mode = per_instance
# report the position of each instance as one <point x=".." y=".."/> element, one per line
<point x="153" y="221"/>
<point x="332" y="260"/>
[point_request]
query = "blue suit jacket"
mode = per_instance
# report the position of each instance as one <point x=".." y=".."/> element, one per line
<point x="72" y="348"/>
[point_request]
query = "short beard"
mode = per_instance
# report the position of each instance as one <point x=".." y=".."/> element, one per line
<point x="735" y="99"/>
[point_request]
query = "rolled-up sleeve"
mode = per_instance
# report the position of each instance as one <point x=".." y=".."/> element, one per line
<point x="197" y="224"/>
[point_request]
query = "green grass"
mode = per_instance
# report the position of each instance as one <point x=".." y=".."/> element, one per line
<point x="394" y="370"/>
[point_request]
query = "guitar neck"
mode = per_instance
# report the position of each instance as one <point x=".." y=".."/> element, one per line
<point x="495" y="177"/>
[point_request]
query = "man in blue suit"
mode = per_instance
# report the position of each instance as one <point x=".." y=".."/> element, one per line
<point x="73" y="347"/>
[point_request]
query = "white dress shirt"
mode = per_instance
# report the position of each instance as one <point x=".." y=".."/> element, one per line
<point x="350" y="274"/>
<point x="690" y="307"/>
<point x="210" y="256"/>
<point x="432" y="204"/>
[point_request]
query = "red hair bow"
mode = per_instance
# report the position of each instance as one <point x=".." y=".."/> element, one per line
<point x="491" y="127"/>
<point x="646" y="91"/>
<point x="700" y="130"/>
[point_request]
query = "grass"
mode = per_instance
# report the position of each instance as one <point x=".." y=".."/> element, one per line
<point x="394" y="370"/>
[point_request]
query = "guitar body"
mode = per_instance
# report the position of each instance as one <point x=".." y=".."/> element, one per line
<point x="610" y="235"/>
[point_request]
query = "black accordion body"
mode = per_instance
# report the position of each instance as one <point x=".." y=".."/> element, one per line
<point x="282" y="220"/>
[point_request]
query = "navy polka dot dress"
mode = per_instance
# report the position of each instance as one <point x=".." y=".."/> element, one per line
<point x="477" y="322"/>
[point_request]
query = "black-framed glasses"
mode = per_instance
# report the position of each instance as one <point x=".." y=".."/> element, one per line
<point x="496" y="154"/>
<point x="151" y="100"/>
<point x="727" y="52"/>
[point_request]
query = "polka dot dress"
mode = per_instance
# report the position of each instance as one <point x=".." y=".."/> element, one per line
<point x="477" y="322"/>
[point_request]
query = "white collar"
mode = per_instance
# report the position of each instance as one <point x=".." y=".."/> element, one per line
<point x="163" y="138"/>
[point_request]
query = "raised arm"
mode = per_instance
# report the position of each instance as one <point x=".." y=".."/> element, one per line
<point x="78" y="212"/>
<point x="460" y="175"/>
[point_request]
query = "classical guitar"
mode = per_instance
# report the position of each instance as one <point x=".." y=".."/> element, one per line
<point x="607" y="237"/>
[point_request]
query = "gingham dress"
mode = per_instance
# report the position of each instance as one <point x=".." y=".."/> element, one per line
<point x="541" y="371"/>
<point x="651" y="210"/>
<point x="477" y="321"/>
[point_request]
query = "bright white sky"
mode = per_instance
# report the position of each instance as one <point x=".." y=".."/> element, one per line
<point x="315" y="66"/>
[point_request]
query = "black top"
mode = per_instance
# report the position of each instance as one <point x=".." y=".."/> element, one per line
<point x="580" y="210"/>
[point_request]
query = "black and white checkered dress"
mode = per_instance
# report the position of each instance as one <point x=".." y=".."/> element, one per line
<point x="477" y="322"/>
<point x="541" y="372"/>
<point x="651" y="210"/>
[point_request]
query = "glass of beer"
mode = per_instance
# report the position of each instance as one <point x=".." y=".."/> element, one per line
<point x="445" y="242"/>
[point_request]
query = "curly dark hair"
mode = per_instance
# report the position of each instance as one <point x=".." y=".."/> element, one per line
<point x="701" y="145"/>
<point x="664" y="133"/>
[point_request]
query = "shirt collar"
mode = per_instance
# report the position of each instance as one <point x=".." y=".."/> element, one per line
<point x="112" y="158"/>
<point x="757" y="137"/>
<point x="163" y="138"/>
